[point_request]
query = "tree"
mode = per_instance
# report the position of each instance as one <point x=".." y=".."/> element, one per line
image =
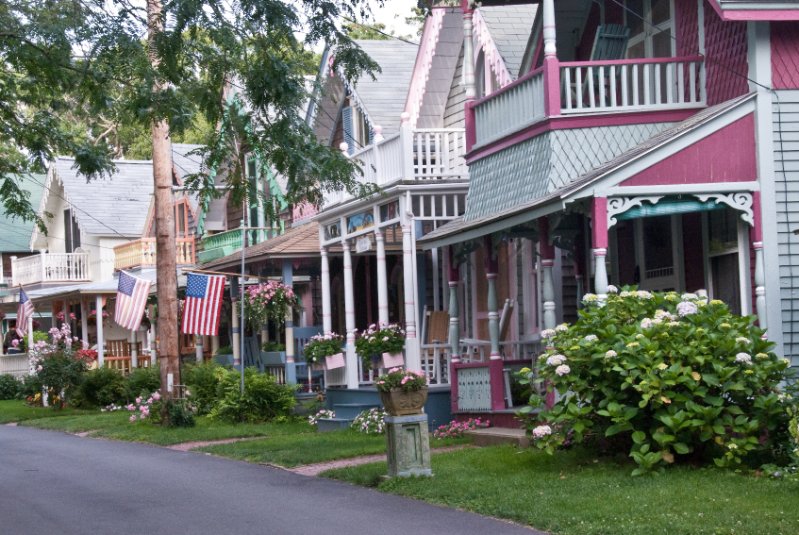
<point x="370" y="32"/>
<point x="231" y="62"/>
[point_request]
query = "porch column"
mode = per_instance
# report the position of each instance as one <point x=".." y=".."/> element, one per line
<point x="468" y="51"/>
<point x="84" y="322"/>
<point x="760" y="272"/>
<point x="291" y="368"/>
<point x="454" y="321"/>
<point x="152" y="337"/>
<point x="599" y="244"/>
<point x="382" y="278"/>
<point x="236" y="328"/>
<point x="491" y="304"/>
<point x="412" y="358"/>
<point x="349" y="318"/>
<point x="98" y="303"/>
<point x="134" y="350"/>
<point x="327" y="320"/>
<point x="198" y="348"/>
<point x="214" y="345"/>
<point x="547" y="252"/>
<point x="551" y="68"/>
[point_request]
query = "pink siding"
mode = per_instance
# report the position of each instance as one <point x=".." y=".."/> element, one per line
<point x="303" y="211"/>
<point x="725" y="156"/>
<point x="785" y="55"/>
<point x="687" y="27"/>
<point x="726" y="65"/>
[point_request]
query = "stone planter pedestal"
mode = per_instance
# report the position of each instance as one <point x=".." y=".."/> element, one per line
<point x="408" y="446"/>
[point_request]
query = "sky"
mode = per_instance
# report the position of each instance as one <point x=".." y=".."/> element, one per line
<point x="393" y="14"/>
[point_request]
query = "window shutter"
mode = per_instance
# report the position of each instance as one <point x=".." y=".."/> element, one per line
<point x="346" y="122"/>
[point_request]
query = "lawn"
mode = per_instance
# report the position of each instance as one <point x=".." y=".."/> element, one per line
<point x="574" y="493"/>
<point x="18" y="411"/>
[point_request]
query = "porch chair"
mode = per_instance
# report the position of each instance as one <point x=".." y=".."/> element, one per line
<point x="117" y="355"/>
<point x="610" y="42"/>
<point x="475" y="345"/>
<point x="435" y="344"/>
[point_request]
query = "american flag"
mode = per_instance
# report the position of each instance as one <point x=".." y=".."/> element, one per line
<point x="24" y="311"/>
<point x="203" y="305"/>
<point x="132" y="295"/>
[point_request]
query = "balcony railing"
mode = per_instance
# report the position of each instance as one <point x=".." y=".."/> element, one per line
<point x="219" y="245"/>
<point x="50" y="267"/>
<point x="421" y="155"/>
<point x="590" y="87"/>
<point x="141" y="253"/>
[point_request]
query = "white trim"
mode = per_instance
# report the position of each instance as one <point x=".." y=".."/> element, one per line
<point x="744" y="273"/>
<point x="740" y="201"/>
<point x="668" y="189"/>
<point x="619" y="205"/>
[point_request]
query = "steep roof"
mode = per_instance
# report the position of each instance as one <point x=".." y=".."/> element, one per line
<point x="112" y="205"/>
<point x="384" y="97"/>
<point x="16" y="233"/>
<point x="510" y="28"/>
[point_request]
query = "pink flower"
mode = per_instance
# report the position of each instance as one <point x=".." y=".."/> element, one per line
<point x="156" y="396"/>
<point x="138" y="400"/>
<point x="15" y="343"/>
<point x="132" y="418"/>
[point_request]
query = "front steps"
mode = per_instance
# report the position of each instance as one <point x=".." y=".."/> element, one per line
<point x="345" y="414"/>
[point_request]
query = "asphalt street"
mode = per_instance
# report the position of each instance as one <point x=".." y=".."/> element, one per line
<point x="53" y="482"/>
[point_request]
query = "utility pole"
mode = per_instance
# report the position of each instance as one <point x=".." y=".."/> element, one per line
<point x="166" y="268"/>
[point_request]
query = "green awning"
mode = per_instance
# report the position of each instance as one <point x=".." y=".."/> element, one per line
<point x="669" y="207"/>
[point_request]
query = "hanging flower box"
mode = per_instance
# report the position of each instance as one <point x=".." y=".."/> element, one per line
<point x="323" y="351"/>
<point x="376" y="341"/>
<point x="269" y="301"/>
<point x="392" y="360"/>
<point x="333" y="362"/>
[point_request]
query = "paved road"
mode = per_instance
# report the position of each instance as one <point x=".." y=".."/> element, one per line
<point x="56" y="483"/>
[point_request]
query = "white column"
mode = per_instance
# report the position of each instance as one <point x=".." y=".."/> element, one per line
<point x="468" y="54"/>
<point x="548" y="293"/>
<point x="30" y="333"/>
<point x="760" y="286"/>
<point x="98" y="304"/>
<point x="234" y="323"/>
<point x="349" y="318"/>
<point x="549" y="27"/>
<point x="382" y="278"/>
<point x="214" y="345"/>
<point x="600" y="272"/>
<point x="84" y="322"/>
<point x="134" y="350"/>
<point x="327" y="320"/>
<point x="412" y="357"/>
<point x="198" y="348"/>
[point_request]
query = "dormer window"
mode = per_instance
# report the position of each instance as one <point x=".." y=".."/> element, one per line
<point x="651" y="24"/>
<point x="357" y="130"/>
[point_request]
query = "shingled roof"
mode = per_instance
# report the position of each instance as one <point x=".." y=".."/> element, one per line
<point x="510" y="28"/>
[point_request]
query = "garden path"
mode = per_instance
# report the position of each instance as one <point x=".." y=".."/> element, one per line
<point x="317" y="468"/>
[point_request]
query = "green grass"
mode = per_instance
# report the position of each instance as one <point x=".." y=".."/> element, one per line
<point x="310" y="448"/>
<point x="574" y="493"/>
<point x="18" y="411"/>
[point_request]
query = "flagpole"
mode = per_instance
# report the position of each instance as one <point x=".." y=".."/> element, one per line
<point x="241" y="322"/>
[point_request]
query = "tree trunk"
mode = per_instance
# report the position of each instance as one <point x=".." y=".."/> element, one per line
<point x="166" y="268"/>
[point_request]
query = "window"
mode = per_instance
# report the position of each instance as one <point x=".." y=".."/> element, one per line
<point x="71" y="232"/>
<point x="651" y="24"/>
<point x="181" y="219"/>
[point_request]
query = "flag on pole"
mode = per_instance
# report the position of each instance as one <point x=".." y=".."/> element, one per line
<point x="24" y="311"/>
<point x="132" y="295"/>
<point x="203" y="305"/>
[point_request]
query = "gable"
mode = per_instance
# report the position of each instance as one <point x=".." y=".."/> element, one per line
<point x="727" y="155"/>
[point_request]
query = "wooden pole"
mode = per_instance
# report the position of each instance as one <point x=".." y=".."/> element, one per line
<point x="166" y="266"/>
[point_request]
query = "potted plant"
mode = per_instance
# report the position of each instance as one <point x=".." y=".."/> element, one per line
<point x="402" y="392"/>
<point x="325" y="349"/>
<point x="381" y="343"/>
<point x="268" y="301"/>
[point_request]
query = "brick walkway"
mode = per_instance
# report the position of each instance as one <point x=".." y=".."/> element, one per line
<point x="314" y="470"/>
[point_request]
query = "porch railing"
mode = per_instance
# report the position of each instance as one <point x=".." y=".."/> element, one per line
<point x="582" y="87"/>
<point x="420" y="155"/>
<point x="17" y="365"/>
<point x="219" y="245"/>
<point x="50" y="267"/>
<point x="141" y="253"/>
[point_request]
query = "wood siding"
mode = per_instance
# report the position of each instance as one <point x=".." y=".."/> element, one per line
<point x="453" y="112"/>
<point x="786" y="176"/>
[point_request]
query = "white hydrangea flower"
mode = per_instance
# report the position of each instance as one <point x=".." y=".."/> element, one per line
<point x="591" y="338"/>
<point x="743" y="358"/>
<point x="547" y="333"/>
<point x="590" y="298"/>
<point x="556" y="360"/>
<point x="612" y="289"/>
<point x="646" y="323"/>
<point x="643" y="294"/>
<point x="562" y="328"/>
<point x="686" y="308"/>
<point x="743" y="340"/>
<point x="562" y="370"/>
<point x="689" y="297"/>
<point x="610" y="354"/>
<point x="542" y="431"/>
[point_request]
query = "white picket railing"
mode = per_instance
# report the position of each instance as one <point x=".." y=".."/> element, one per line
<point x="517" y="105"/>
<point x="421" y="155"/>
<point x="16" y="365"/>
<point x="631" y="85"/>
<point x="50" y="267"/>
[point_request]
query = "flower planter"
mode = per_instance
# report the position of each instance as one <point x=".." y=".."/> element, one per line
<point x="392" y="360"/>
<point x="334" y="361"/>
<point x="397" y="402"/>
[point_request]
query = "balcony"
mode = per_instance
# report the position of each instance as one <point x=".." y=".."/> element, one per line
<point x="569" y="89"/>
<point x="141" y="253"/>
<point x="50" y="268"/>
<point x="423" y="156"/>
<point x="219" y="245"/>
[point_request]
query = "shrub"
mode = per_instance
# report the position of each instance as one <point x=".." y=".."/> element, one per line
<point x="456" y="429"/>
<point x="665" y="377"/>
<point x="143" y="380"/>
<point x="263" y="398"/>
<point x="61" y="374"/>
<point x="204" y="382"/>
<point x="370" y="422"/>
<point x="9" y="387"/>
<point x="102" y="387"/>
<point x="29" y="387"/>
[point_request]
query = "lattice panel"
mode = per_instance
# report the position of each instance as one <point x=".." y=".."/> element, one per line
<point x="474" y="389"/>
<point x="509" y="177"/>
<point x="785" y="55"/>
<point x="726" y="65"/>
<point x="578" y="151"/>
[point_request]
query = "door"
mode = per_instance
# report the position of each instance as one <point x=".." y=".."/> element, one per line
<point x="657" y="251"/>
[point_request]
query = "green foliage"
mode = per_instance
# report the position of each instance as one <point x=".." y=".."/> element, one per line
<point x="370" y="422"/>
<point x="666" y="377"/>
<point x="29" y="387"/>
<point x="406" y="380"/>
<point x="178" y="413"/>
<point x="9" y="387"/>
<point x="375" y="341"/>
<point x="321" y="346"/>
<point x="61" y="373"/>
<point x="369" y="32"/>
<point x="143" y="381"/>
<point x="263" y="399"/>
<point x="225" y="350"/>
<point x="204" y="382"/>
<point x="100" y="388"/>
<point x="270" y="347"/>
<point x="268" y="301"/>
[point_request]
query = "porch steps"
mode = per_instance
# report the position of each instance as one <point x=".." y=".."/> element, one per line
<point x="324" y="425"/>
<point x="492" y="436"/>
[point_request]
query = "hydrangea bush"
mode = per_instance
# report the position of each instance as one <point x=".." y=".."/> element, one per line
<point x="667" y="377"/>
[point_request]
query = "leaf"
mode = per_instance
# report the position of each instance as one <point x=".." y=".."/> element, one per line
<point x="639" y="437"/>
<point x="681" y="448"/>
<point x="617" y="428"/>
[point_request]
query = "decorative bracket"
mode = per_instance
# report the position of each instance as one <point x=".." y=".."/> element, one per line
<point x="619" y="205"/>
<point x="739" y="200"/>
